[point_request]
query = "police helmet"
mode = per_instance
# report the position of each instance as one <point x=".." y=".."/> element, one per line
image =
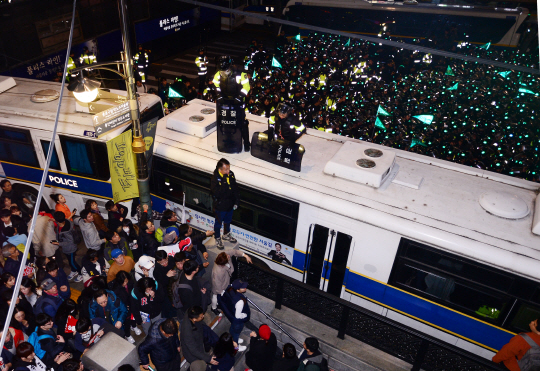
<point x="284" y="108"/>
<point x="225" y="62"/>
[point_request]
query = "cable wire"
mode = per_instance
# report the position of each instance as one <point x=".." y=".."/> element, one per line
<point x="17" y="286"/>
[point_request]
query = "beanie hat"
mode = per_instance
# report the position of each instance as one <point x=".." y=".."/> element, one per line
<point x="265" y="332"/>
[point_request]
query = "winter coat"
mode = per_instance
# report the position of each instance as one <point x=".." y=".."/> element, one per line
<point x="36" y="365"/>
<point x="65" y="238"/>
<point x="162" y="350"/>
<point x="143" y="303"/>
<point x="89" y="269"/>
<point x="90" y="233"/>
<point x="514" y="350"/>
<point x="78" y="341"/>
<point x="122" y="245"/>
<point x="50" y="346"/>
<point x="224" y="194"/>
<point x="12" y="266"/>
<point x="99" y="222"/>
<point x="260" y="356"/>
<point x="160" y="272"/>
<point x="221" y="274"/>
<point x="61" y="280"/>
<point x="47" y="304"/>
<point x="285" y="364"/>
<point x="43" y="234"/>
<point x="147" y="241"/>
<point x="124" y="294"/>
<point x="117" y="309"/>
<point x="192" y="340"/>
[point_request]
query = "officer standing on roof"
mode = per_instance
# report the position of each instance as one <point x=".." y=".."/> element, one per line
<point x="284" y="124"/>
<point x="202" y="65"/>
<point x="232" y="87"/>
<point x="140" y="62"/>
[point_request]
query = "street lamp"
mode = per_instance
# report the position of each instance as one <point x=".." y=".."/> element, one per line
<point x="86" y="91"/>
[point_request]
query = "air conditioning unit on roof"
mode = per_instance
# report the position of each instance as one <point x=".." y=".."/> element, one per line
<point x="361" y="163"/>
<point x="193" y="119"/>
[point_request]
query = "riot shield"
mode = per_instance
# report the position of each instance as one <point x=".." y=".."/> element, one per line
<point x="230" y="122"/>
<point x="279" y="152"/>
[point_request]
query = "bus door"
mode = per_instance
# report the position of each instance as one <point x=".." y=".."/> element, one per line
<point x="326" y="259"/>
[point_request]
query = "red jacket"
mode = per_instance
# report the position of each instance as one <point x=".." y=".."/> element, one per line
<point x="514" y="351"/>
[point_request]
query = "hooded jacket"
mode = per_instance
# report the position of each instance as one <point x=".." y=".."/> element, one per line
<point x="89" y="232"/>
<point x="144" y="303"/>
<point x="162" y="350"/>
<point x="89" y="269"/>
<point x="224" y="191"/>
<point x="117" y="309"/>
<point x="65" y="237"/>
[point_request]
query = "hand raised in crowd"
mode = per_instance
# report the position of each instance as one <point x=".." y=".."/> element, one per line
<point x="205" y="264"/>
<point x="60" y="339"/>
<point x="253" y="334"/>
<point x="248" y="259"/>
<point x="171" y="273"/>
<point x="213" y="361"/>
<point x="118" y="324"/>
<point x="205" y="255"/>
<point x="62" y="357"/>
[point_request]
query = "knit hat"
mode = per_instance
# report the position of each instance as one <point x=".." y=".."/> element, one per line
<point x="116" y="253"/>
<point x="265" y="332"/>
<point x="184" y="244"/>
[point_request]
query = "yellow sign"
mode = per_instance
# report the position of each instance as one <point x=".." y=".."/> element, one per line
<point x="148" y="142"/>
<point x="122" y="166"/>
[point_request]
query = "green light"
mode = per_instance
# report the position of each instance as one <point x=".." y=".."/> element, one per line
<point x="275" y="63"/>
<point x="174" y="94"/>
<point x="426" y="119"/>
<point x="381" y="111"/>
<point x="379" y="124"/>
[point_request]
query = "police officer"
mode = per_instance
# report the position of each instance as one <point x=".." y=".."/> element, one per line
<point x="71" y="65"/>
<point x="284" y="124"/>
<point x="87" y="57"/>
<point x="233" y="87"/>
<point x="140" y="62"/>
<point x="202" y="65"/>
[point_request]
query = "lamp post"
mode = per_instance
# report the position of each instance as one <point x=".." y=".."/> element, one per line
<point x="86" y="90"/>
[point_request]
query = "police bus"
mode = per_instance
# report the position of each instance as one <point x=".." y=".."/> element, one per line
<point x="450" y="250"/>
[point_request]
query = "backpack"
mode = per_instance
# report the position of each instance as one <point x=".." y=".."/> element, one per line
<point x="531" y="359"/>
<point x="177" y="303"/>
<point x="34" y="339"/>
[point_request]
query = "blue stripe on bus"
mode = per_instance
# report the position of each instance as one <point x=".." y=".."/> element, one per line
<point x="61" y="180"/>
<point x="413" y="306"/>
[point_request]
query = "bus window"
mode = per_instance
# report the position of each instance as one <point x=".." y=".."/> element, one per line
<point x="16" y="146"/>
<point x="86" y="158"/>
<point x="525" y="314"/>
<point x="55" y="163"/>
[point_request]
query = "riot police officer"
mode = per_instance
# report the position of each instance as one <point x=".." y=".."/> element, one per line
<point x="202" y="66"/>
<point x="284" y="124"/>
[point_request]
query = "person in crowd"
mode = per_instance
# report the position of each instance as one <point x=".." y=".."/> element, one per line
<point x="41" y="268"/>
<point x="192" y="253"/>
<point x="93" y="264"/>
<point x="179" y="260"/>
<point x="262" y="349"/>
<point x="8" y="281"/>
<point x="60" y="278"/>
<point x="147" y="238"/>
<point x="192" y="332"/>
<point x="86" y="297"/>
<point x="9" y="349"/>
<point x="67" y="311"/>
<point x="120" y="263"/>
<point x="224" y="351"/>
<point x="222" y="272"/>
<point x="6" y="220"/>
<point x="29" y="290"/>
<point x="123" y="287"/>
<point x="43" y="237"/>
<point x="116" y="214"/>
<point x="311" y="354"/>
<point x="98" y="220"/>
<point x="278" y="256"/>
<point x="289" y="360"/>
<point x="27" y="360"/>
<point x="60" y="205"/>
<point x="235" y="307"/>
<point x="130" y="232"/>
<point x="196" y="237"/>
<point x="108" y="306"/>
<point x="226" y="197"/>
<point x="12" y="263"/>
<point x="191" y="292"/>
<point x="163" y="272"/>
<point x="65" y="232"/>
<point x="163" y="346"/>
<point x="51" y="343"/>
<point x="50" y="300"/>
<point x="169" y="219"/>
<point x="23" y="320"/>
<point x="20" y="300"/>
<point x="145" y="267"/>
<point x="91" y="237"/>
<point x="512" y="352"/>
<point x="14" y="238"/>
<point x="148" y="299"/>
<point x="88" y="332"/>
<point x="114" y="241"/>
<point x="6" y="203"/>
<point x="19" y="216"/>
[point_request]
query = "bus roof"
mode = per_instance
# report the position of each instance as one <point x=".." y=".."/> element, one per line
<point x="16" y="108"/>
<point x="444" y="211"/>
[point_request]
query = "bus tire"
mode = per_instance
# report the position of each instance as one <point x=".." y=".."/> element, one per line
<point x="30" y="193"/>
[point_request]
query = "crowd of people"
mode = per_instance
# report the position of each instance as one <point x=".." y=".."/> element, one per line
<point x="140" y="275"/>
<point x="473" y="114"/>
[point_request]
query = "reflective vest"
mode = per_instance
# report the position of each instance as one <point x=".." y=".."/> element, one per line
<point x="70" y="66"/>
<point x="141" y="59"/>
<point x="86" y="58"/>
<point x="232" y="83"/>
<point x="201" y="63"/>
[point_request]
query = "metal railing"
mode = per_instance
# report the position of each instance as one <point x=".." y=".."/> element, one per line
<point x="420" y="350"/>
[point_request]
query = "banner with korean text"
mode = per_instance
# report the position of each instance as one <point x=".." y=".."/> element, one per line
<point x="123" y="169"/>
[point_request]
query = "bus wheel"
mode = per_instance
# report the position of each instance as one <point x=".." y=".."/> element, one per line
<point x="30" y="194"/>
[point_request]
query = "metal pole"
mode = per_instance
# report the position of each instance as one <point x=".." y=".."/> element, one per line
<point x="138" y="145"/>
